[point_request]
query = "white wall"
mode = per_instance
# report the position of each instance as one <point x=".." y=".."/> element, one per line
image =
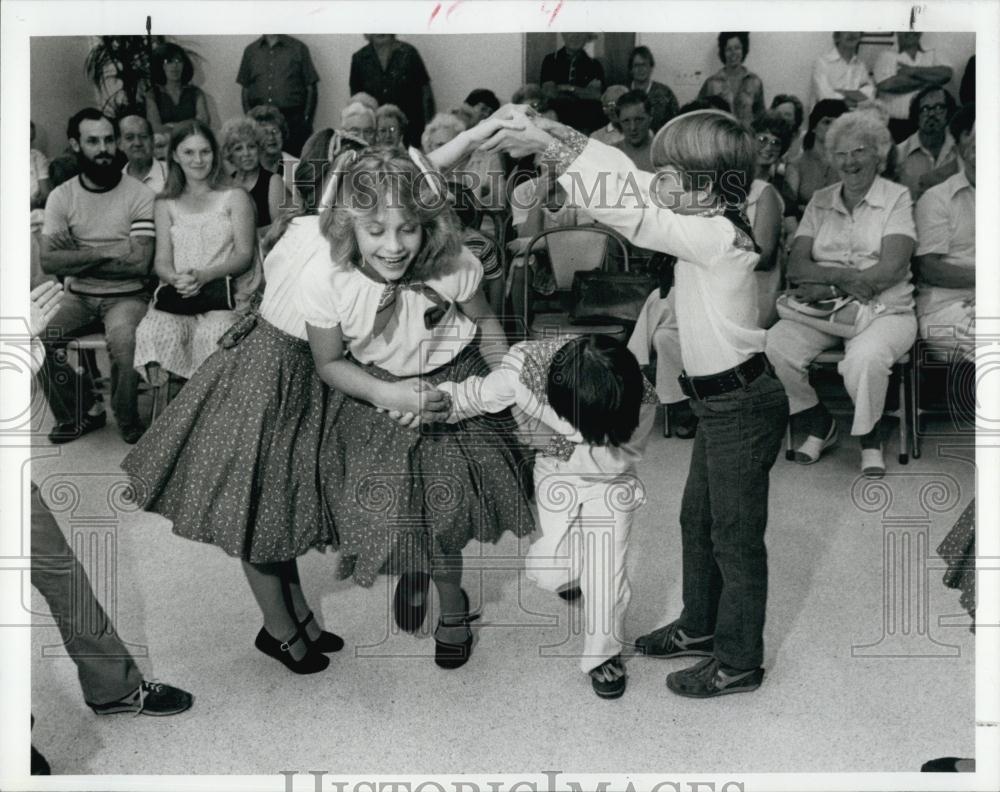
<point x="59" y="88"/>
<point x="456" y="63"/>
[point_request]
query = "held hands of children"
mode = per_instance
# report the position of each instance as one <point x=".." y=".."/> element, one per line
<point x="412" y="402"/>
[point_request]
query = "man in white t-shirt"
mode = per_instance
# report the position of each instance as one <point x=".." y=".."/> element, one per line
<point x="136" y="136"/>
<point x="945" y="260"/>
<point x="98" y="236"/>
<point x="841" y="74"/>
<point x="899" y="75"/>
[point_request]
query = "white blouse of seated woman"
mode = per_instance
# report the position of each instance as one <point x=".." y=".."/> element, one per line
<point x="855" y="240"/>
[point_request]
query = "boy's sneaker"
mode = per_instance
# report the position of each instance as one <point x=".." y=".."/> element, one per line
<point x="710" y="678"/>
<point x="671" y="641"/>
<point x="69" y="431"/>
<point x="150" y="698"/>
<point x="609" y="678"/>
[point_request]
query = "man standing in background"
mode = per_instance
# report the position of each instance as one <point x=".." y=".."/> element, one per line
<point x="841" y="74"/>
<point x="900" y="75"/>
<point x="278" y="70"/>
<point x="394" y="73"/>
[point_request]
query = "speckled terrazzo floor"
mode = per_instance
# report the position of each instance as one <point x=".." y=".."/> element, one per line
<point x="852" y="683"/>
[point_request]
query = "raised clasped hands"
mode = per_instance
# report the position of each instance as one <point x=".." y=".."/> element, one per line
<point x="520" y="132"/>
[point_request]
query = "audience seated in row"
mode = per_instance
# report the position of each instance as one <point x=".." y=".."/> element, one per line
<point x="928" y="157"/>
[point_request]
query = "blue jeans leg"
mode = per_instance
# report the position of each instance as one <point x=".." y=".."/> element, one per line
<point x="724" y="516"/>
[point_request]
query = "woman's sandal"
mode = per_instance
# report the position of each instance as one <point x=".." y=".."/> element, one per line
<point x="310" y="663"/>
<point x="408" y="610"/>
<point x="449" y="655"/>
<point x="813" y="447"/>
<point x="326" y="642"/>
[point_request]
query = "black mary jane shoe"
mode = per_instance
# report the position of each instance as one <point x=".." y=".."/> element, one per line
<point x="451" y="656"/>
<point x="310" y="663"/>
<point x="409" y="604"/>
<point x="326" y="642"/>
<point x="944" y="764"/>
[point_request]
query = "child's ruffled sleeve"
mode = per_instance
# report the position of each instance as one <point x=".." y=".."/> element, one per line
<point x="492" y="393"/>
<point x="317" y="297"/>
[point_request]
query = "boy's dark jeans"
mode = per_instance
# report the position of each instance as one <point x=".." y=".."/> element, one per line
<point x="724" y="514"/>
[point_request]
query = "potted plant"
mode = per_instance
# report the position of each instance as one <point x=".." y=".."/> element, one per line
<point x="119" y="67"/>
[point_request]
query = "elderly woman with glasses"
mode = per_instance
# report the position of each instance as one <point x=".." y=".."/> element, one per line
<point x="855" y="241"/>
<point x="359" y="121"/>
<point x="390" y="126"/>
<point x="272" y="143"/>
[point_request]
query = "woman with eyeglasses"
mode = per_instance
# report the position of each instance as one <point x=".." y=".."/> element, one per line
<point x="765" y="208"/>
<point x="358" y="120"/>
<point x="855" y="241"/>
<point x="272" y="145"/>
<point x="662" y="100"/>
<point x="172" y="98"/>
<point x="390" y="126"/>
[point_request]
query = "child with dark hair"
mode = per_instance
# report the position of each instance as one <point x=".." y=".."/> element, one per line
<point x="587" y="410"/>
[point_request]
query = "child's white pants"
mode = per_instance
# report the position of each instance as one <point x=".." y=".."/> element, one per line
<point x="584" y="523"/>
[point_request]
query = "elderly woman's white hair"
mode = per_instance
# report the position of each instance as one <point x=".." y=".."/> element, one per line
<point x="356" y="109"/>
<point x="878" y="108"/>
<point x="446" y="121"/>
<point x="867" y="125"/>
<point x="364" y="98"/>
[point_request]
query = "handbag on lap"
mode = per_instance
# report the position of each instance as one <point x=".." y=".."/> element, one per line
<point x="840" y="316"/>
<point x="216" y="295"/>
